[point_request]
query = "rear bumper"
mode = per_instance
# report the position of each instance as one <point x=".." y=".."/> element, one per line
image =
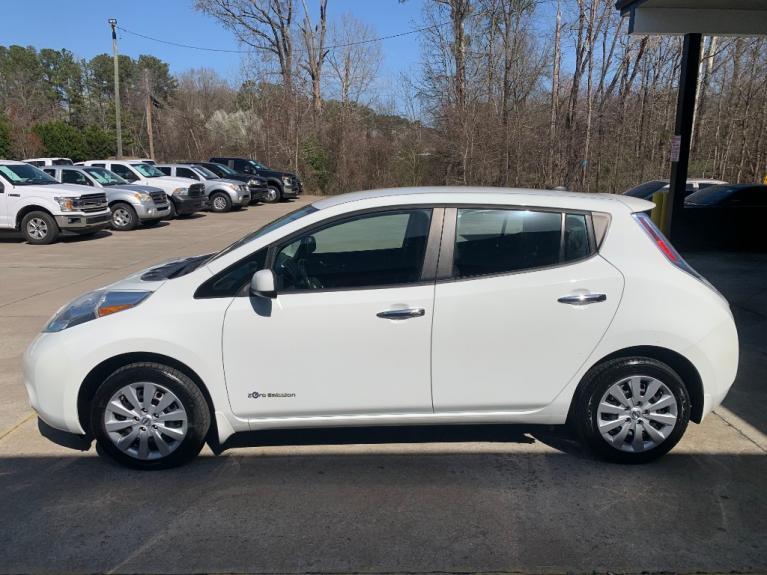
<point x="81" y="222"/>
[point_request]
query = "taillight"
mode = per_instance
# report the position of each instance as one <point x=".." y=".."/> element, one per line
<point x="665" y="246"/>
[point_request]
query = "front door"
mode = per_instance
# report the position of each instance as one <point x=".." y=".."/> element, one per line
<point x="522" y="307"/>
<point x="349" y="332"/>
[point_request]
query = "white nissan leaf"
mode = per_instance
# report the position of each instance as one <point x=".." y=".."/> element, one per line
<point x="398" y="307"/>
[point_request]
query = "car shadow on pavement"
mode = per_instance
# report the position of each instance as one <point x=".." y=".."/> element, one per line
<point x="70" y="238"/>
<point x="386" y="509"/>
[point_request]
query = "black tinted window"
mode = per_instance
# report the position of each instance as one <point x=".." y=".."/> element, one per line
<point x="576" y="237"/>
<point x="492" y="241"/>
<point x="74" y="177"/>
<point x="753" y="196"/>
<point x="124" y="172"/>
<point x="229" y="282"/>
<point x="186" y="173"/>
<point x="380" y="249"/>
<point x="165" y="170"/>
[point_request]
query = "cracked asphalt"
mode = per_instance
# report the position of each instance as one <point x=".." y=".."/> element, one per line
<point x="489" y="499"/>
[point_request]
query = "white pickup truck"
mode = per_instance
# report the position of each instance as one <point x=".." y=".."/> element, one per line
<point x="35" y="204"/>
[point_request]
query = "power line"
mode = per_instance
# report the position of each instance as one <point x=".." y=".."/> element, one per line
<point x="335" y="46"/>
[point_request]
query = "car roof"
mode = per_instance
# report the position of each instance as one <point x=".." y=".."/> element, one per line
<point x="11" y="163"/>
<point x="490" y="196"/>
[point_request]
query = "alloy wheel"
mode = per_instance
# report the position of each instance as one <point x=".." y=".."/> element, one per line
<point x="121" y="217"/>
<point x="637" y="414"/>
<point x="37" y="228"/>
<point x="219" y="203"/>
<point x="145" y="420"/>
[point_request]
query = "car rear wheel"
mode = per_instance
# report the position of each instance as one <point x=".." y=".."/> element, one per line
<point x="39" y="228"/>
<point x="220" y="202"/>
<point x="273" y="195"/>
<point x="124" y="217"/>
<point x="150" y="416"/>
<point x="632" y="410"/>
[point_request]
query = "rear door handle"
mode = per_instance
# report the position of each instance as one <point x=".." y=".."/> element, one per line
<point x="401" y="313"/>
<point x="583" y="298"/>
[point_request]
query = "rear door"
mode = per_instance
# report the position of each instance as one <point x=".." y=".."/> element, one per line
<point x="522" y="302"/>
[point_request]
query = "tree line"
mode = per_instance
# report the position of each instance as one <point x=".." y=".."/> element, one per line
<point x="533" y="93"/>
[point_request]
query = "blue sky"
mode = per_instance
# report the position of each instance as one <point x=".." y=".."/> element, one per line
<point x="81" y="27"/>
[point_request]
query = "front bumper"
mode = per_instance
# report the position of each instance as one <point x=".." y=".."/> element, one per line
<point x="188" y="205"/>
<point x="82" y="221"/>
<point x="151" y="211"/>
<point x="258" y="194"/>
<point x="241" y="199"/>
<point x="290" y="192"/>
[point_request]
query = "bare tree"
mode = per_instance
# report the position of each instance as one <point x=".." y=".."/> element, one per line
<point x="315" y="52"/>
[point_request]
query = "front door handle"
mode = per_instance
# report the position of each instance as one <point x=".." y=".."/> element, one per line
<point x="582" y="298"/>
<point x="401" y="313"/>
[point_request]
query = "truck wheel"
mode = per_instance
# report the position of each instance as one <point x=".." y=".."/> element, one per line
<point x="632" y="410"/>
<point x="150" y="416"/>
<point x="220" y="202"/>
<point x="39" y="228"/>
<point x="124" y="217"/>
<point x="273" y="195"/>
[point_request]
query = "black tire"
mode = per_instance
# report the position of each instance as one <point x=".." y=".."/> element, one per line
<point x="274" y="195"/>
<point x="39" y="228"/>
<point x="223" y="200"/>
<point x="599" y="380"/>
<point x="150" y="223"/>
<point x="198" y="414"/>
<point x="124" y="217"/>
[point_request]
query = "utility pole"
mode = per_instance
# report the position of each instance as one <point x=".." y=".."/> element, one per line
<point x="118" y="126"/>
<point x="148" y="113"/>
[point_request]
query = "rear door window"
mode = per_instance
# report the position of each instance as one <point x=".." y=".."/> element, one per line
<point x="74" y="177"/>
<point x="494" y="241"/>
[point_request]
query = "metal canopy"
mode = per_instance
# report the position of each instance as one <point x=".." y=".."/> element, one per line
<point x="707" y="17"/>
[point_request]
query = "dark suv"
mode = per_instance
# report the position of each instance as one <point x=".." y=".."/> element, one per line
<point x="282" y="185"/>
<point x="257" y="186"/>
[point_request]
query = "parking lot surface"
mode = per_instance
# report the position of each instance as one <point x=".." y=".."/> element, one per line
<point x="491" y="499"/>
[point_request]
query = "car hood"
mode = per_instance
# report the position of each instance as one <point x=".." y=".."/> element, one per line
<point x="59" y="190"/>
<point x="151" y="278"/>
<point x="134" y="188"/>
<point x="173" y="180"/>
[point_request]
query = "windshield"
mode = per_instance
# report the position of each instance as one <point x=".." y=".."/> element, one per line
<point x="147" y="171"/>
<point x="25" y="175"/>
<point x="204" y="171"/>
<point x="710" y="196"/>
<point x="270" y="227"/>
<point x="258" y="165"/>
<point x="105" y="177"/>
<point x="646" y="190"/>
<point x="222" y="170"/>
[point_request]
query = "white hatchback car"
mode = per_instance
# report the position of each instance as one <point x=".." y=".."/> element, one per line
<point x="399" y="307"/>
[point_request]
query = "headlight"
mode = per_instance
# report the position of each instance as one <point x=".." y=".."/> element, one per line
<point x="94" y="305"/>
<point x="287" y="180"/>
<point x="179" y="191"/>
<point x="66" y="204"/>
<point x="253" y="183"/>
<point x="234" y="187"/>
<point x="142" y="197"/>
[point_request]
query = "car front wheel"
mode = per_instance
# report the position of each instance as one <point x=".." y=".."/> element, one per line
<point x="632" y="410"/>
<point x="124" y="217"/>
<point x="39" y="228"/>
<point x="220" y="202"/>
<point x="273" y="195"/>
<point x="150" y="416"/>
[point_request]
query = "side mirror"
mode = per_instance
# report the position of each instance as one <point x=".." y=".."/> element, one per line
<point x="262" y="284"/>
